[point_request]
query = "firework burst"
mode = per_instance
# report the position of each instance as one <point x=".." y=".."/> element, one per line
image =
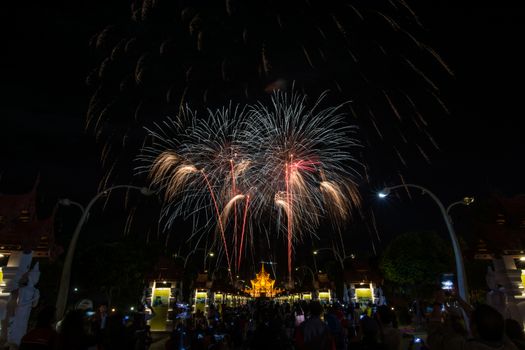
<point x="238" y="165"/>
<point x="169" y="54"/>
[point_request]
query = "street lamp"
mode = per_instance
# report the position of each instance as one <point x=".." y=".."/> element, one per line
<point x="63" y="289"/>
<point x="460" y="267"/>
<point x="465" y="201"/>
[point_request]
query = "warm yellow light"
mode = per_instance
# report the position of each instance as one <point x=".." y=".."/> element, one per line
<point x="2" y="255"/>
<point x="307" y="296"/>
<point x="315" y="252"/>
<point x="363" y="293"/>
<point x="522" y="258"/>
<point x="113" y="310"/>
<point x="468" y="200"/>
<point x="212" y="254"/>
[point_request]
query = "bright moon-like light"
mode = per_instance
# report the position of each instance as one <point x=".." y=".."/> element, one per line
<point x="382" y="194"/>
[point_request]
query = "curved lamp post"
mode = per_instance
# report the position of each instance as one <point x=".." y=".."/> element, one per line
<point x="460" y="267"/>
<point x="63" y="289"/>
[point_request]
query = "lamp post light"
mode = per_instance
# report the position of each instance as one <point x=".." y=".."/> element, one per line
<point x="460" y="267"/>
<point x="464" y="201"/>
<point x="63" y="289"/>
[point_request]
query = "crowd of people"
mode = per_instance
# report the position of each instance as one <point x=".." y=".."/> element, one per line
<point x="85" y="329"/>
<point x="264" y="324"/>
<point x="304" y="325"/>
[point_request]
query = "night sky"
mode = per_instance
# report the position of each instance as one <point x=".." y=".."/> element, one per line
<point x="45" y="101"/>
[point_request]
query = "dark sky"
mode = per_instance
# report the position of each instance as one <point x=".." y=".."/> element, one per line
<point x="43" y="113"/>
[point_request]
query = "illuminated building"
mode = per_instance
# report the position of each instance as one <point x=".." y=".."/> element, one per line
<point x="164" y="290"/>
<point x="361" y="285"/>
<point x="495" y="229"/>
<point x="22" y="230"/>
<point x="23" y="236"/>
<point x="263" y="286"/>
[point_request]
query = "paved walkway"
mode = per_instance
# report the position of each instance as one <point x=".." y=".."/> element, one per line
<point x="159" y="339"/>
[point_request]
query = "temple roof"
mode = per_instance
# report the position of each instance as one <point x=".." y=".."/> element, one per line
<point x="166" y="269"/>
<point x="20" y="227"/>
<point x="262" y="285"/>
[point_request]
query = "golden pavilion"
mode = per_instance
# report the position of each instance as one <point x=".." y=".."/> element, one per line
<point x="262" y="286"/>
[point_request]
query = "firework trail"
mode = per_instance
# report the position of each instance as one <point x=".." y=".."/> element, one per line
<point x="239" y="165"/>
<point x="196" y="162"/>
<point x="169" y="54"/>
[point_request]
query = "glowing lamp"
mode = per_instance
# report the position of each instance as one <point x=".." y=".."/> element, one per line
<point x="384" y="193"/>
<point x="468" y="200"/>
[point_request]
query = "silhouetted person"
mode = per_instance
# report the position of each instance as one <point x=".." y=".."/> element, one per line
<point x="488" y="329"/>
<point x="314" y="333"/>
<point x="335" y="327"/>
<point x="74" y="333"/>
<point x="43" y="336"/>
<point x="449" y="335"/>
<point x="99" y="324"/>
<point x="514" y="331"/>
<point x="115" y="333"/>
<point x="390" y="336"/>
<point x="369" y="334"/>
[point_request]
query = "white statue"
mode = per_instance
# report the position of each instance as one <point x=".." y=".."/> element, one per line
<point x="27" y="298"/>
<point x="490" y="278"/>
<point x="496" y="296"/>
<point x="381" y="300"/>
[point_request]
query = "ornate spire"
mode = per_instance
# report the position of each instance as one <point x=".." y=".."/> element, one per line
<point x="262" y="285"/>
